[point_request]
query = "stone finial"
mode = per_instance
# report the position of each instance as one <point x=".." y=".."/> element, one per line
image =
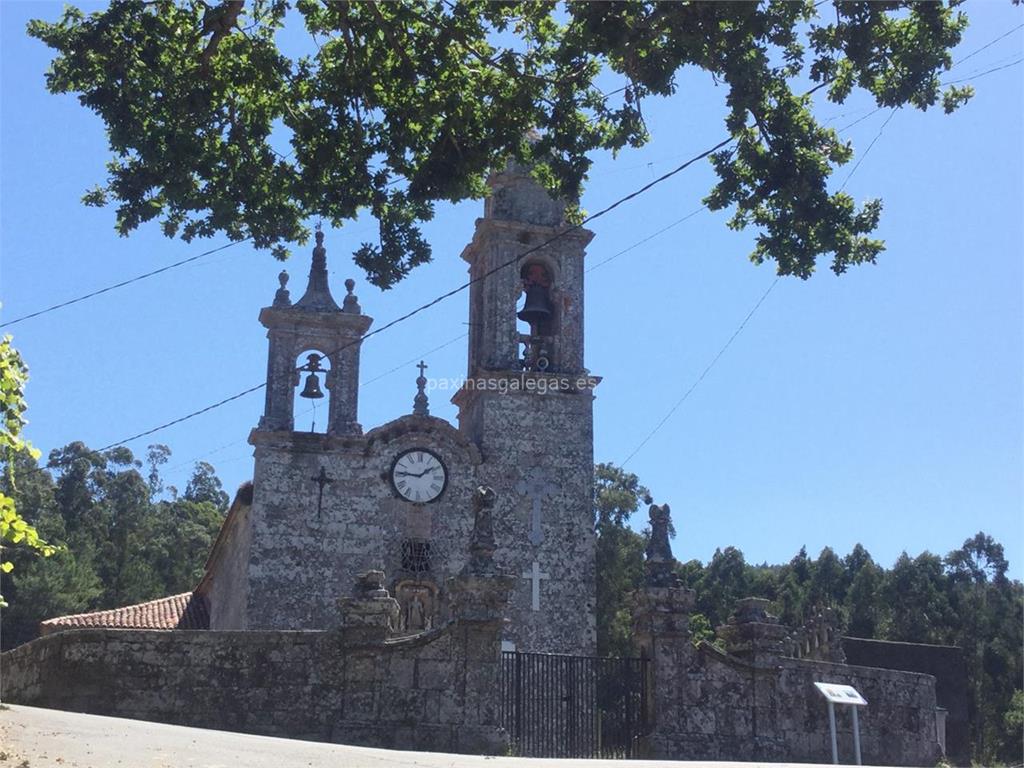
<point x="420" y="404"/>
<point x="752" y="610"/>
<point x="481" y="539"/>
<point x="317" y="297"/>
<point x="659" y="567"/>
<point x="752" y="633"/>
<point x="351" y="301"/>
<point x="282" y="298"/>
<point x="371" y="613"/>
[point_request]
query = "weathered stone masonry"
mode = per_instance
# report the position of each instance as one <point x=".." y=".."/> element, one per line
<point x="502" y="553"/>
<point x="432" y="692"/>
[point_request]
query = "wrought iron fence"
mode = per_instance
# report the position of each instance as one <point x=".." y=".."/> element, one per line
<point x="573" y="706"/>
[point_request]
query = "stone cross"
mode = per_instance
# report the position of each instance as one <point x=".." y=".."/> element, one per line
<point x="420" y="404"/>
<point x="535" y="576"/>
<point x="536" y="486"/>
<point x="322" y="479"/>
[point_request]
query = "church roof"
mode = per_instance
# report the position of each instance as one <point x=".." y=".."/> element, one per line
<point x="185" y="611"/>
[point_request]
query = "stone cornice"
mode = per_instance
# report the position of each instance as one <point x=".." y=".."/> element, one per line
<point x="514" y="229"/>
<point x="300" y="320"/>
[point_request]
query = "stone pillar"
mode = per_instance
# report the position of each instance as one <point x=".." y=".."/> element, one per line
<point x="479" y="598"/>
<point x="343" y="382"/>
<point x="281" y="379"/>
<point x="479" y="594"/>
<point x="661" y="628"/>
<point x="753" y="634"/>
<point x="371" y="614"/>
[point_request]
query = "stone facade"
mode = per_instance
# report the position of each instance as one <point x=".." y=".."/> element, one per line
<point x="326" y="507"/>
<point x="499" y="552"/>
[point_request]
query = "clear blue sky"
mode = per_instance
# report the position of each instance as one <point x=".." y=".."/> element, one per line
<point x="884" y="406"/>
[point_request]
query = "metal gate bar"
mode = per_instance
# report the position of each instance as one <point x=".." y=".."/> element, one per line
<point x="573" y="706"/>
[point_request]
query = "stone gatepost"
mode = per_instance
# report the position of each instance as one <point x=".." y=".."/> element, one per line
<point x="371" y="614"/>
<point x="753" y="634"/>
<point x="479" y="599"/>
<point x="661" y="627"/>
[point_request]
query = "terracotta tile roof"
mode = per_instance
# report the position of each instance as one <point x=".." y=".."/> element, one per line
<point x="184" y="611"/>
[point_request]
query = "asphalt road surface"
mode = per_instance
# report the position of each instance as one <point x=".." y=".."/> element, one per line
<point x="49" y="738"/>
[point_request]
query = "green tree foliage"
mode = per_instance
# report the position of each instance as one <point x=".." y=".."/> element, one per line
<point x="964" y="599"/>
<point x="15" y="531"/>
<point x="124" y="545"/>
<point x="391" y="107"/>
<point x="620" y="555"/>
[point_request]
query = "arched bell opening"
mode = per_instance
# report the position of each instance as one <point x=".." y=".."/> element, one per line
<point x="312" y="395"/>
<point x="537" y="316"/>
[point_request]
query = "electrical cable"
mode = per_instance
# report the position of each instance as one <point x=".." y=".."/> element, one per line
<point x="123" y="283"/>
<point x="703" y="374"/>
<point x="437" y="300"/>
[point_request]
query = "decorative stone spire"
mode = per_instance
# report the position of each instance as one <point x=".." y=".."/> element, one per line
<point x="317" y="297"/>
<point x="351" y="302"/>
<point x="420" y="404"/>
<point x="282" y="298"/>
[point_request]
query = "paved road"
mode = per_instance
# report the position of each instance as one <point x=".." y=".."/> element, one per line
<point x="49" y="738"/>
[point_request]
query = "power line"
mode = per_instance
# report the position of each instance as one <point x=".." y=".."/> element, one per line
<point x="123" y="283"/>
<point x="866" y="151"/>
<point x="447" y="295"/>
<point x="986" y="72"/>
<point x="606" y="96"/>
<point x="986" y="45"/>
<point x="515" y="260"/>
<point x="764" y="296"/>
<point x="703" y="374"/>
<point x="366" y="383"/>
<point x="420" y="356"/>
<point x="637" y="244"/>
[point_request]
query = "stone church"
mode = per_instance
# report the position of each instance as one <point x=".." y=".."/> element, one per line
<point x="421" y="585"/>
<point x="398" y="497"/>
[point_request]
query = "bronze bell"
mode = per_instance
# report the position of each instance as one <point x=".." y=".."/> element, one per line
<point x="312" y="389"/>
<point x="536" y="309"/>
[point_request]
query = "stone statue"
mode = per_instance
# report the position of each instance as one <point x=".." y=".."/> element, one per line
<point x="481" y="540"/>
<point x="659" y="568"/>
<point x="658" y="548"/>
<point x="415" y="616"/>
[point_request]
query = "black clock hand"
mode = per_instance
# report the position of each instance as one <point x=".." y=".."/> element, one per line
<point x="412" y="474"/>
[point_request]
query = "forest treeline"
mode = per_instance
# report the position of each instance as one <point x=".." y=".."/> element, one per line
<point x="128" y="538"/>
<point x="964" y="598"/>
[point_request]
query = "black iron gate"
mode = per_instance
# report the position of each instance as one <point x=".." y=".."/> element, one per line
<point x="573" y="706"/>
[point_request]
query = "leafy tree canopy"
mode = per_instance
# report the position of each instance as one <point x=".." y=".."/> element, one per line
<point x="15" y="530"/>
<point x="399" y="105"/>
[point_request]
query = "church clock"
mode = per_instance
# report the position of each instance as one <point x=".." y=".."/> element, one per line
<point x="419" y="476"/>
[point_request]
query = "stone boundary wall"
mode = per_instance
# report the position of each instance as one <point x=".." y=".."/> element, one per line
<point x="946" y="663"/>
<point x="436" y="691"/>
<point x="712" y="706"/>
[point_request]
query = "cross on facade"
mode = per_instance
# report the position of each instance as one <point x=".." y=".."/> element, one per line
<point x="423" y="367"/>
<point x="322" y="479"/>
<point x="535" y="576"/>
<point x="536" y="486"/>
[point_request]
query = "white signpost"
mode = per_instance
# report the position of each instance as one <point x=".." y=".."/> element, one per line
<point x="835" y="693"/>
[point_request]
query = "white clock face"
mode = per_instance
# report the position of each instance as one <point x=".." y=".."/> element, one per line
<point x="419" y="476"/>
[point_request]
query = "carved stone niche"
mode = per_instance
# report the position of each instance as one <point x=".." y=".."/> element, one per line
<point x="418" y="605"/>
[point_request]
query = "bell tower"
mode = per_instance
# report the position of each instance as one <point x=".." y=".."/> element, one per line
<point x="544" y="282"/>
<point x="528" y="404"/>
<point x="315" y="325"/>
